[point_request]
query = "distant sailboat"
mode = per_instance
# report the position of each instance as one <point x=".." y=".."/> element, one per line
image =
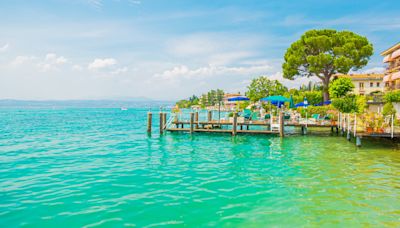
<point x="124" y="108"/>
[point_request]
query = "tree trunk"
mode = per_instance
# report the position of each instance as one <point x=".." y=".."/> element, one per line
<point x="326" y="88"/>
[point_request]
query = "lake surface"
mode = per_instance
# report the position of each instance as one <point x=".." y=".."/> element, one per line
<point x="97" y="167"/>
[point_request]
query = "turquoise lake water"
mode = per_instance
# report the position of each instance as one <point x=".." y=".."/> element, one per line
<point x="97" y="167"/>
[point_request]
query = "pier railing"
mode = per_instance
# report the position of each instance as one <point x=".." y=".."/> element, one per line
<point x="369" y="124"/>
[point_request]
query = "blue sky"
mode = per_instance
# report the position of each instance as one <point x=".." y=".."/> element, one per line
<point x="98" y="49"/>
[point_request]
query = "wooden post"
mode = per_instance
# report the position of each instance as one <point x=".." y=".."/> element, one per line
<point x="176" y="120"/>
<point x="342" y="121"/>
<point x="165" y="120"/>
<point x="306" y="119"/>
<point x="149" y="119"/>
<point x="270" y="121"/>
<point x="234" y="124"/>
<point x="281" y="125"/>
<point x="196" y="119"/>
<point x="209" y="116"/>
<point x="392" y="127"/>
<point x="348" y="127"/>
<point x="161" y="122"/>
<point x="358" y="141"/>
<point x="355" y="124"/>
<point x="191" y="122"/>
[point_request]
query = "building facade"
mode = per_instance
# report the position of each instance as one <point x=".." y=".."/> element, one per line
<point x="365" y="84"/>
<point x="391" y="57"/>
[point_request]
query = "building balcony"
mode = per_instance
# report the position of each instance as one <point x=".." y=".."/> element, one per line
<point x="391" y="69"/>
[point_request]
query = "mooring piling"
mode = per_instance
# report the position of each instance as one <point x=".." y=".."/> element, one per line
<point x="234" y="124"/>
<point x="191" y="122"/>
<point x="358" y="141"/>
<point x="149" y="120"/>
<point x="161" y="122"/>
<point x="196" y="119"/>
<point x="281" y="125"/>
<point x="209" y="116"/>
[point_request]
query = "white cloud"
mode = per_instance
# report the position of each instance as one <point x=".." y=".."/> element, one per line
<point x="4" y="48"/>
<point x="77" y="67"/>
<point x="98" y="64"/>
<point x="51" y="62"/>
<point x="184" y="72"/>
<point x="136" y="2"/>
<point x="120" y="70"/>
<point x="54" y="59"/>
<point x="95" y="3"/>
<point x="206" y="45"/>
<point x="22" y="60"/>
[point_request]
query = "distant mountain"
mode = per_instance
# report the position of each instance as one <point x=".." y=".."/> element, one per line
<point x="106" y="103"/>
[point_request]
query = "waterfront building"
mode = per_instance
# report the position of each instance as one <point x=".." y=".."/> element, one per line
<point x="230" y="104"/>
<point x="391" y="56"/>
<point x="365" y="84"/>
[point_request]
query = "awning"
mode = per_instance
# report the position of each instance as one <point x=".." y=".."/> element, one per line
<point x="386" y="59"/>
<point x="239" y="98"/>
<point x="396" y="75"/>
<point x="395" y="54"/>
<point x="386" y="78"/>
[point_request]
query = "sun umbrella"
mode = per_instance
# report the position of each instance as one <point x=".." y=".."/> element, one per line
<point x="280" y="99"/>
<point x="276" y="100"/>
<point x="305" y="102"/>
<point x="239" y="98"/>
<point x="291" y="102"/>
<point x="323" y="103"/>
<point x="301" y="104"/>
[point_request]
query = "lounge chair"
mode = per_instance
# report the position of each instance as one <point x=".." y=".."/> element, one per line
<point x="254" y="116"/>
<point x="246" y="114"/>
<point x="315" y="116"/>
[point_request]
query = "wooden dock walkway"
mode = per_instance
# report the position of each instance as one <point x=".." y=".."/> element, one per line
<point x="345" y="125"/>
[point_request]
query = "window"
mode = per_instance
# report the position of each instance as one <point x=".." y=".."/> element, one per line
<point x="361" y="85"/>
<point x="371" y="84"/>
<point x="378" y="84"/>
<point x="387" y="84"/>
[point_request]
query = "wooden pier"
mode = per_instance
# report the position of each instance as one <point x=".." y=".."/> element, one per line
<point x="274" y="126"/>
<point x="346" y="125"/>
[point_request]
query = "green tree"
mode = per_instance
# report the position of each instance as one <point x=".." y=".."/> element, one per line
<point x="350" y="104"/>
<point x="388" y="109"/>
<point x="323" y="53"/>
<point x="204" y="100"/>
<point x="393" y="96"/>
<point x="220" y="95"/>
<point x="263" y="87"/>
<point x="340" y="87"/>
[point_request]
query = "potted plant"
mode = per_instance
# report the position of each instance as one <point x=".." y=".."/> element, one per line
<point x="370" y="122"/>
<point x="379" y="124"/>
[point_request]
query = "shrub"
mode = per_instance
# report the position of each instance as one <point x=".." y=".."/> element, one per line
<point x="346" y="104"/>
<point x="393" y="96"/>
<point x="340" y="87"/>
<point x="361" y="103"/>
<point x="388" y="109"/>
<point x="321" y="110"/>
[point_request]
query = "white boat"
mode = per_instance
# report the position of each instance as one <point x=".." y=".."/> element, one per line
<point x="123" y="109"/>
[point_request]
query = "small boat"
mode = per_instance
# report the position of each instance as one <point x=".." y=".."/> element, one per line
<point x="123" y="109"/>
